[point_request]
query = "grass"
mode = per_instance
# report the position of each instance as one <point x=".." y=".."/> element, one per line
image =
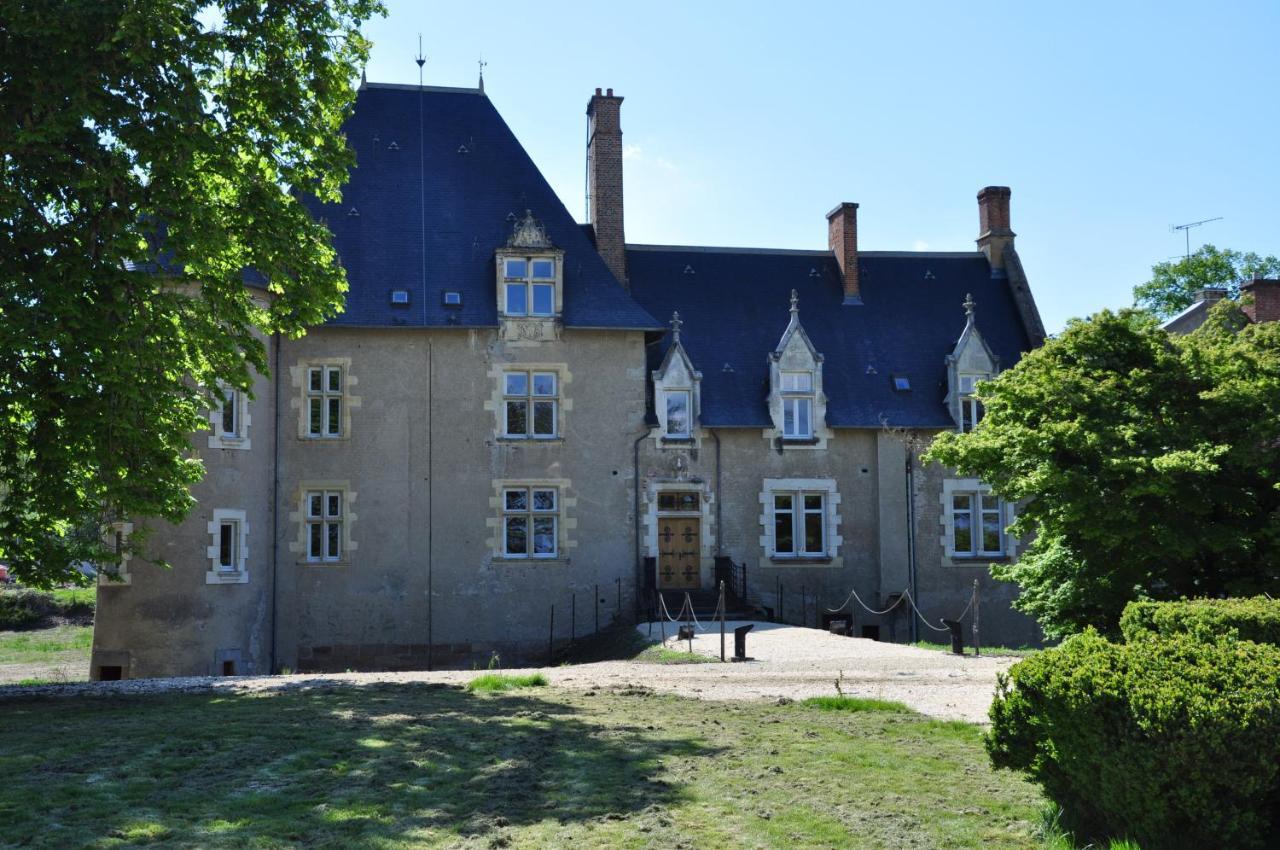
<point x="59" y="654"/>
<point x="1019" y="651"/>
<point x="407" y="766"/>
<point x="855" y="704"/>
<point x="1057" y="838"/>
<point x="502" y="682"/>
<point x="78" y="596"/>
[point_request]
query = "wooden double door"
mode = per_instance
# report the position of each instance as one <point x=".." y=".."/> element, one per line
<point x="679" y="553"/>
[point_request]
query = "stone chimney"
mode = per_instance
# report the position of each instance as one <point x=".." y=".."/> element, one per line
<point x="1261" y="297"/>
<point x="604" y="180"/>
<point x="994" y="234"/>
<point x="842" y="239"/>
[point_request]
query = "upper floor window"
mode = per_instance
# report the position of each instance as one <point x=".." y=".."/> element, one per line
<point x="324" y="401"/>
<point x="679" y="420"/>
<point x="229" y="545"/>
<point x="229" y="421"/>
<point x="799" y="524"/>
<point x="797" y="405"/>
<point x="976" y="525"/>
<point x="970" y="406"/>
<point x="530" y="522"/>
<point x="530" y="286"/>
<point x="530" y="400"/>
<point x="325" y="517"/>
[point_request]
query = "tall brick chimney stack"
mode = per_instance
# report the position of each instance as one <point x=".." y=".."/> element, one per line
<point x="604" y="180"/>
<point x="1264" y="305"/>
<point x="994" y="234"/>
<point x="842" y="239"/>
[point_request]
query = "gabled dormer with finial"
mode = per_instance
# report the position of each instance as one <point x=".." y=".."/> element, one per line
<point x="530" y="272"/>
<point x="969" y="363"/>
<point x="677" y="396"/>
<point x="797" y="403"/>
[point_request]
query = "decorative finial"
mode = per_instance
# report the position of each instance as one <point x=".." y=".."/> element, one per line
<point x="969" y="304"/>
<point x="795" y="302"/>
<point x="676" y="323"/>
<point x="364" y="81"/>
<point x="482" y="63"/>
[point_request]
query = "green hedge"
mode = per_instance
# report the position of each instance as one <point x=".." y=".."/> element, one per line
<point x="1256" y="619"/>
<point x="1170" y="741"/>
<point x="23" y="608"/>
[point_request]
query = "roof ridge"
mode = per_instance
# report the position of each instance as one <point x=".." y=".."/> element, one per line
<point x="803" y="252"/>
<point x="412" y="87"/>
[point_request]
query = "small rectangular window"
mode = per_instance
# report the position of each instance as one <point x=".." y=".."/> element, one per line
<point x="530" y="522"/>
<point x="516" y="269"/>
<point x="517" y="299"/>
<point x="678" y="418"/>
<point x="797" y="382"/>
<point x="544" y="270"/>
<point x="452" y="298"/>
<point x="324" y="525"/>
<point x="544" y="300"/>
<point x="230" y="414"/>
<point x="400" y="297"/>
<point x="324" y="402"/>
<point x="797" y="405"/>
<point x="228" y="532"/>
<point x="530" y="403"/>
<point x="901" y="383"/>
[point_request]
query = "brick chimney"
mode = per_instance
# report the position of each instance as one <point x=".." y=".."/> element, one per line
<point x="1264" y="305"/>
<point x="994" y="234"/>
<point x="842" y="239"/>
<point x="604" y="180"/>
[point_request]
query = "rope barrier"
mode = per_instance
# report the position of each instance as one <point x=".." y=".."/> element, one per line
<point x="906" y="594"/>
<point x="688" y="603"/>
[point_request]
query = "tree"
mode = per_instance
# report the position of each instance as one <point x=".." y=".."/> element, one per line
<point x="1149" y="465"/>
<point x="153" y="153"/>
<point x="1174" y="283"/>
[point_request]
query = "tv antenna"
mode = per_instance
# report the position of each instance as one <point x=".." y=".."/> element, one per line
<point x="420" y="59"/>
<point x="1186" y="229"/>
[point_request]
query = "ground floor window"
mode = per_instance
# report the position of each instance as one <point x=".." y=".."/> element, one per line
<point x="530" y="522"/>
<point x="800" y="518"/>
<point x="325" y="518"/>
<point x="977" y="527"/>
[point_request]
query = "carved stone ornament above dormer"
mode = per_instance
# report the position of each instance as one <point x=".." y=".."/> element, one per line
<point x="528" y="232"/>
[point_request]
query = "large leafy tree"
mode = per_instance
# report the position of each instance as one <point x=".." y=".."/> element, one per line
<point x="1149" y="464"/>
<point x="1174" y="283"/>
<point x="153" y="151"/>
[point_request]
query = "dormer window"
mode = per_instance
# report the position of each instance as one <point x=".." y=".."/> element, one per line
<point x="530" y="286"/>
<point x="797" y="405"/>
<point x="970" y="406"/>
<point x="678" y="418"/>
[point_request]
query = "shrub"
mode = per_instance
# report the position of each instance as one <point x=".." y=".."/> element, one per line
<point x="1170" y="741"/>
<point x="23" y="608"/>
<point x="500" y="682"/>
<point x="1256" y="619"/>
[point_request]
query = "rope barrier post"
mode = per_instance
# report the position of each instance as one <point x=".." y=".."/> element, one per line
<point x="662" y="616"/>
<point x="688" y="620"/>
<point x="597" y="607"/>
<point x="722" y="620"/>
<point x="551" y="639"/>
<point x="976" y="645"/>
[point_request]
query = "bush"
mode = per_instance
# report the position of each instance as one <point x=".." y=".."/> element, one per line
<point x="1256" y="619"/>
<point x="1170" y="740"/>
<point x="501" y="682"/>
<point x="23" y="608"/>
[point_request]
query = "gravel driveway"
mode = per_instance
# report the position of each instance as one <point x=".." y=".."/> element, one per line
<point x="790" y="662"/>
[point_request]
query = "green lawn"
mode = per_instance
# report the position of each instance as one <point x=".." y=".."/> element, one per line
<point x="59" y="654"/>
<point x="408" y="766"/>
<point x="1017" y="651"/>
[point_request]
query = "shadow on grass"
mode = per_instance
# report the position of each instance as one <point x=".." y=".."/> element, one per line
<point x="349" y="767"/>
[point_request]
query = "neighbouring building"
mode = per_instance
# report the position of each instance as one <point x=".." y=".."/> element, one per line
<point x="523" y="427"/>
<point x="1259" y="302"/>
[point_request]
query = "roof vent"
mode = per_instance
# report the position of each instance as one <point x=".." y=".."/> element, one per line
<point x="353" y="213"/>
<point x="727" y="368"/>
<point x="871" y="370"/>
<point x="688" y="270"/>
<point x="400" y="297"/>
<point x="814" y="273"/>
<point x="928" y="274"/>
<point x="393" y="147"/>
<point x="451" y="298"/>
<point x="463" y="149"/>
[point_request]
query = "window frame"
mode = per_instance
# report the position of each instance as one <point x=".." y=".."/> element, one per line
<point x="977" y="511"/>
<point x="530" y="284"/>
<point x="326" y="396"/>
<point x="667" y="395"/>
<point x="794" y="400"/>
<point x="228" y="543"/>
<point x="531" y="399"/>
<point x="799" y="512"/>
<point x="530" y="514"/>
<point x="319" y="526"/>
<point x="971" y="409"/>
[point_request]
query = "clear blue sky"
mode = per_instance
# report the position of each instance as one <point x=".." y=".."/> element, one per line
<point x="745" y="122"/>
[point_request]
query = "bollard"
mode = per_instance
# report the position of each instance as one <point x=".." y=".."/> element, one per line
<point x="957" y="636"/>
<point x="740" y="642"/>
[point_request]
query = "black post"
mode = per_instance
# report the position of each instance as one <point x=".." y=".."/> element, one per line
<point x="551" y="639"/>
<point x="597" y="607"/>
<point x="722" y="621"/>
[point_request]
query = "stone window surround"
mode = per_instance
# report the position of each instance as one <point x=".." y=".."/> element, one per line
<point x="832" y="519"/>
<point x="351" y="402"/>
<point x="216" y="575"/>
<point x="564" y="528"/>
<point x="953" y="486"/>
<point x="796" y="354"/>
<point x="298" y="517"/>
<point x="649" y="519"/>
<point x="497" y="400"/>
<point x="217" y="440"/>
<point x="121" y="572"/>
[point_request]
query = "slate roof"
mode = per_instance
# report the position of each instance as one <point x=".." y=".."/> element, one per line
<point x="734" y="304"/>
<point x="438" y="182"/>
